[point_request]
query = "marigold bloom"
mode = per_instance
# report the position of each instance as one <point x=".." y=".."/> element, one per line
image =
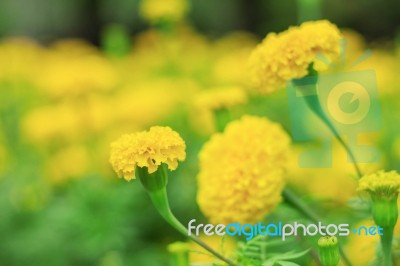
<point x="380" y="183"/>
<point x="287" y="55"/>
<point x="241" y="171"/>
<point x="383" y="188"/>
<point x="147" y="149"/>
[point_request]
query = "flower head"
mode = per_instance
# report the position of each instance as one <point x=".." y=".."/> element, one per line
<point x="383" y="188"/>
<point x="147" y="149"/>
<point x="241" y="171"/>
<point x="287" y="55"/>
<point x="380" y="183"/>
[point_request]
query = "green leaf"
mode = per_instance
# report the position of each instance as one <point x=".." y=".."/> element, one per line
<point x="287" y="263"/>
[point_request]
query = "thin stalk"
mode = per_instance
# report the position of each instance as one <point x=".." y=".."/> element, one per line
<point x="222" y="117"/>
<point x="315" y="106"/>
<point x="160" y="201"/>
<point x="312" y="101"/>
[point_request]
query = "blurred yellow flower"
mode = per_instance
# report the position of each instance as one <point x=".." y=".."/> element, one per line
<point x="287" y="55"/>
<point x="147" y="103"/>
<point x="241" y="171"/>
<point x="20" y="59"/>
<point x="147" y="149"/>
<point x="224" y="245"/>
<point x="380" y="183"/>
<point x="68" y="163"/>
<point x="72" y="69"/>
<point x="361" y="249"/>
<point x="207" y="103"/>
<point x="220" y="97"/>
<point x="340" y="177"/>
<point x="50" y="122"/>
<point x="156" y="10"/>
<point x="230" y="52"/>
<point x="385" y="65"/>
<point x="355" y="44"/>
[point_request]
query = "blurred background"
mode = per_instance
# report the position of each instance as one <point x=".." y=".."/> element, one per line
<point x="47" y="21"/>
<point x="76" y="74"/>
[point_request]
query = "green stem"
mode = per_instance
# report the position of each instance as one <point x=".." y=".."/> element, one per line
<point x="291" y="198"/>
<point x="222" y="117"/>
<point x="160" y="201"/>
<point x="312" y="101"/>
<point x="296" y="202"/>
<point x="315" y="106"/>
<point x="386" y="242"/>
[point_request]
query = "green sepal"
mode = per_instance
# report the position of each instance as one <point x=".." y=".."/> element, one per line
<point x="384" y="210"/>
<point x="154" y="181"/>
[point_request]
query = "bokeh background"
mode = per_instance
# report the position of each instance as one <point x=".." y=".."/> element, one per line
<point x="76" y="74"/>
<point x="47" y="21"/>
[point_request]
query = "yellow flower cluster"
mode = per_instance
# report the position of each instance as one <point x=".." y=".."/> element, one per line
<point x="241" y="171"/>
<point x="155" y="10"/>
<point x="19" y="59"/>
<point x="147" y="149"/>
<point x="381" y="183"/>
<point x="287" y="55"/>
<point x="71" y="93"/>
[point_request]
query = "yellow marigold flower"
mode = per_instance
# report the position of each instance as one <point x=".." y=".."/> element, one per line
<point x="287" y="55"/>
<point x="383" y="188"/>
<point x="155" y="10"/>
<point x="147" y="149"/>
<point x="241" y="171"/>
<point x="380" y="183"/>
<point x="218" y="98"/>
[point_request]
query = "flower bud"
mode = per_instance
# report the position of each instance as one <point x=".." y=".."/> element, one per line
<point x="179" y="253"/>
<point x="329" y="251"/>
